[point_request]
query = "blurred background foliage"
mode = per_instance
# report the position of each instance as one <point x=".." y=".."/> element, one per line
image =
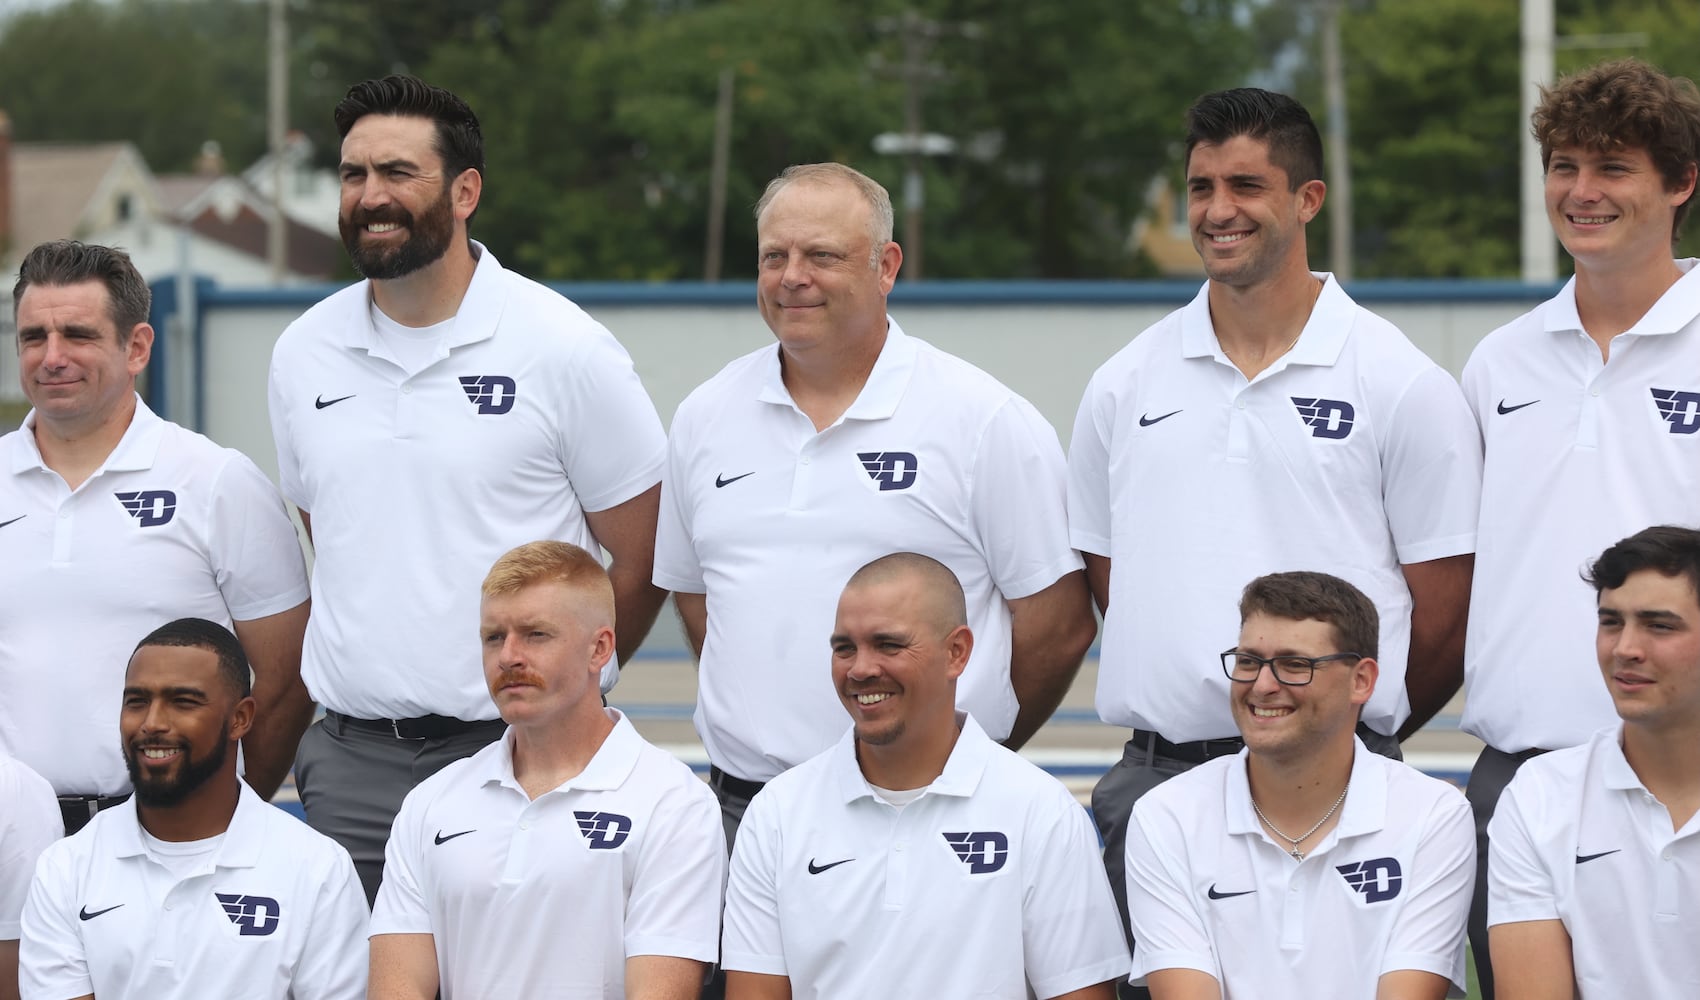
<point x="599" y="114"/>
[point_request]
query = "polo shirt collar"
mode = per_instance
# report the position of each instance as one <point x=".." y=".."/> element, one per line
<point x="480" y="310"/>
<point x="960" y="777"/>
<point x="880" y="395"/>
<point x="136" y="450"/>
<point x="1614" y="766"/>
<point x="1319" y="344"/>
<point x="1678" y="307"/>
<point x="608" y="768"/>
<point x="243" y="840"/>
<point x="1364" y="811"/>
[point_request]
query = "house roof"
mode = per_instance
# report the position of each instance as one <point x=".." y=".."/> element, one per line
<point x="53" y="184"/>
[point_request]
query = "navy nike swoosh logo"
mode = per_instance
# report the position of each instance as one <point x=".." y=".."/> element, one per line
<point x="441" y="840"/>
<point x="815" y="869"/>
<point x="1503" y="409"/>
<point x="1583" y="859"/>
<point x="84" y="913"/>
<point x="1146" y="420"/>
<point x="1227" y="895"/>
<point x="14" y="520"/>
<point x="721" y="483"/>
<point x="322" y="402"/>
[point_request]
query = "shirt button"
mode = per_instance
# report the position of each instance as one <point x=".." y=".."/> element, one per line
<point x="1240" y="404"/>
<point x="409" y="388"/>
<point x="805" y="461"/>
<point x="899" y="849"/>
<point x="525" y="824"/>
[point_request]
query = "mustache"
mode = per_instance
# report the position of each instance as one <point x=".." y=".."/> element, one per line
<point x="387" y="213"/>
<point x="518" y="675"/>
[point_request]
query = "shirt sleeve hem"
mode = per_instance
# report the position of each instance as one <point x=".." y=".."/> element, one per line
<point x="1437" y="548"/>
<point x="1108" y="970"/>
<point x="1095" y="544"/>
<point x="393" y="923"/>
<point x="1147" y="962"/>
<point x="648" y="476"/>
<point x="1443" y="966"/>
<point x="743" y="961"/>
<point x="294" y="597"/>
<point x="1035" y="582"/>
<point x="672" y="947"/>
<point x="678" y="584"/>
<point x="1503" y="913"/>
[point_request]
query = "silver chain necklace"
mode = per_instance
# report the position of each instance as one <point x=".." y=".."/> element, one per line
<point x="1297" y="854"/>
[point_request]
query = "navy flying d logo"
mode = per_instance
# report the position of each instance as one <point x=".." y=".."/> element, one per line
<point x="150" y="508"/>
<point x="603" y="831"/>
<point x="983" y="851"/>
<point x="492" y="394"/>
<point x="1377" y="880"/>
<point x="256" y="915"/>
<point x="1679" y="409"/>
<point x="892" y="470"/>
<point x="1326" y="418"/>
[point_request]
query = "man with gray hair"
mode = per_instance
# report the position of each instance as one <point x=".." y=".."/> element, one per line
<point x="798" y="463"/>
<point x="113" y="521"/>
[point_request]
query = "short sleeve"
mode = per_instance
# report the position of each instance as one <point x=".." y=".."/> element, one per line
<point x="334" y="957"/>
<point x="1429" y="933"/>
<point x="1520" y="885"/>
<point x="752" y="941"/>
<point x="29" y="822"/>
<point x="52" y="964"/>
<point x="673" y="908"/>
<point x="1089" y="473"/>
<point x="677" y="567"/>
<point x="288" y="465"/>
<point x="1433" y="471"/>
<point x="1168" y="930"/>
<point x="255" y="553"/>
<point x="1070" y="929"/>
<point x="401" y="907"/>
<point x="610" y="438"/>
<point x="1019" y="506"/>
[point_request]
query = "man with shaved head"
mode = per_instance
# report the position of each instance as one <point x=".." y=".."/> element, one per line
<point x="570" y="817"/>
<point x="846" y="440"/>
<point x="847" y="865"/>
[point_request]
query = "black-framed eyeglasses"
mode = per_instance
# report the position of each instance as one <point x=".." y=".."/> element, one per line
<point x="1293" y="671"/>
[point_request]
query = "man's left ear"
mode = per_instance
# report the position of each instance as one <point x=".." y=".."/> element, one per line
<point x="467" y="189"/>
<point x="1364" y="675"/>
<point x="242" y="717"/>
<point x="959" y="645"/>
<point x="1311" y="196"/>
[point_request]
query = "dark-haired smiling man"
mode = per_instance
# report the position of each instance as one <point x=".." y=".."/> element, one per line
<point x="427" y="420"/>
<point x="194" y="887"/>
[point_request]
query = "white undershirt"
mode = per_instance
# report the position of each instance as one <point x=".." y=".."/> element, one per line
<point x="899" y="798"/>
<point x="182" y="858"/>
<point x="414" y="348"/>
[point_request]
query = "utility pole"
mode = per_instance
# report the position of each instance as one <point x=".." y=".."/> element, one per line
<point x="277" y="122"/>
<point x="917" y="34"/>
<point x="1339" y="146"/>
<point x="1540" y="248"/>
<point x="717" y="179"/>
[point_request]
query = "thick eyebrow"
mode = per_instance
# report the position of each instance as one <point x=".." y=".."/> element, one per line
<point x="168" y="692"/>
<point x="402" y="164"/>
<point x="1646" y="615"/>
<point x="37" y="330"/>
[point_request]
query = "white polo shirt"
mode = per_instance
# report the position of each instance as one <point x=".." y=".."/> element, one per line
<point x="170" y="526"/>
<point x="29" y="821"/>
<point x="1387" y="890"/>
<point x="1352" y="454"/>
<point x="278" y="913"/>
<point x="1580" y="454"/>
<point x="1578" y="838"/>
<point x="988" y="885"/>
<point x="416" y="484"/>
<point x="628" y="858"/>
<point x="770" y="519"/>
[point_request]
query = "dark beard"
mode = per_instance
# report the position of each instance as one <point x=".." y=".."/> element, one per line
<point x="428" y="238"/>
<point x="162" y="794"/>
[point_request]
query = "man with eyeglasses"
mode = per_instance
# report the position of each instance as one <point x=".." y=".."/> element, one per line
<point x="1306" y="865"/>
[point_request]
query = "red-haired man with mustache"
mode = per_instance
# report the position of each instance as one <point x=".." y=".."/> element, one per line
<point x="596" y="859"/>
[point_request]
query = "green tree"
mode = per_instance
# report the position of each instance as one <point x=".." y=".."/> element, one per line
<point x="165" y="76"/>
<point x="1435" y="132"/>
